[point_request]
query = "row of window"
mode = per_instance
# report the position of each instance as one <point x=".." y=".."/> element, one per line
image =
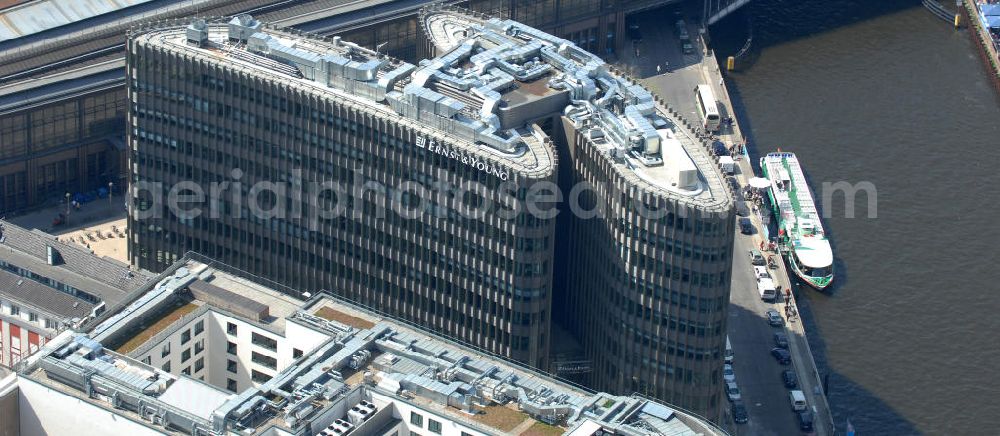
<point x="433" y="425"/>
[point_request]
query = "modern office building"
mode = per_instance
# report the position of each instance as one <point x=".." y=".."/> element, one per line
<point x="239" y="107"/>
<point x="62" y="84"/>
<point x="225" y="102"/>
<point x="47" y="286"/>
<point x="331" y="369"/>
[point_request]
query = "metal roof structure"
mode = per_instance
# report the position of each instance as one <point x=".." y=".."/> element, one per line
<point x="41" y="15"/>
<point x="325" y="388"/>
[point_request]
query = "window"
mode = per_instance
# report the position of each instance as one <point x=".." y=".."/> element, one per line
<point x="185" y="337"/>
<point x="199" y="327"/>
<point x="186" y="371"/>
<point x="231" y="385"/>
<point x="199" y="346"/>
<point x="166" y="367"/>
<point x="32" y="316"/>
<point x="231" y="366"/>
<point x="434" y="426"/>
<point x="265" y="361"/>
<point x="416" y="419"/>
<point x="185" y="355"/>
<point x="231" y="328"/>
<point x="231" y="347"/>
<point x="14" y="310"/>
<point x="49" y="324"/>
<point x="166" y="350"/>
<point x="264" y="341"/>
<point x="199" y="364"/>
<point x="296" y="353"/>
<point x="148" y="360"/>
<point x="259" y="377"/>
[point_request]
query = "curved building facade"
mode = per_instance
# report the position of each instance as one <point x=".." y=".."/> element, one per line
<point x="645" y="234"/>
<point x="335" y="170"/>
<point x="435" y="201"/>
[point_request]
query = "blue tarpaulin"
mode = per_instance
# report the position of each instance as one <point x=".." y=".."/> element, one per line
<point x="990" y="10"/>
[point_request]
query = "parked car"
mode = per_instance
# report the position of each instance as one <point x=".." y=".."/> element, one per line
<point x="761" y="272"/>
<point x="756" y="258"/>
<point x="805" y="419"/>
<point x="781" y="340"/>
<point x="746" y="227"/>
<point x="790" y="378"/>
<point x="740" y="415"/>
<point x="774" y="318"/>
<point x="798" y="400"/>
<point x="782" y="356"/>
<point x="728" y="374"/>
<point x="733" y="391"/>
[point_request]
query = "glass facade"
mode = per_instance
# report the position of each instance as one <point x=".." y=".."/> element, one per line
<point x="61" y="147"/>
<point x="459" y="275"/>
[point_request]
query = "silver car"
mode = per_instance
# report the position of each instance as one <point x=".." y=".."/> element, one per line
<point x="733" y="391"/>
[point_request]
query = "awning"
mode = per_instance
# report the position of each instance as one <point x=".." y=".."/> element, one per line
<point x="759" y="183"/>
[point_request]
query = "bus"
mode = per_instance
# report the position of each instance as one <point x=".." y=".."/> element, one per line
<point x="707" y="107"/>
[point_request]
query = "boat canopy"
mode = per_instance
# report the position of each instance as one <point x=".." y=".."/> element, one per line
<point x="813" y="252"/>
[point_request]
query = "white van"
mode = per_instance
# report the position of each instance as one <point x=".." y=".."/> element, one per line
<point x="798" y="400"/>
<point x="727" y="164"/>
<point x="707" y="107"/>
<point x="765" y="286"/>
<point x="729" y="351"/>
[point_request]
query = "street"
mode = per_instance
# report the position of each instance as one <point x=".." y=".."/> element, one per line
<point x="758" y="375"/>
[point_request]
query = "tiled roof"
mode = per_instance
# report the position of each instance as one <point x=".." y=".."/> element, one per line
<point x="29" y="292"/>
<point x="74" y="258"/>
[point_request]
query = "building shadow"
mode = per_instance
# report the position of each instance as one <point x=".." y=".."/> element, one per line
<point x="775" y="22"/>
<point x="868" y="413"/>
<point x="848" y="399"/>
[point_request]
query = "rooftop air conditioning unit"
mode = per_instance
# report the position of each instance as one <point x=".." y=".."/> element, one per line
<point x="340" y="427"/>
<point x="357" y="414"/>
<point x="369" y="405"/>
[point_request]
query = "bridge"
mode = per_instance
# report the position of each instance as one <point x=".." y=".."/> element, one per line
<point x="715" y="10"/>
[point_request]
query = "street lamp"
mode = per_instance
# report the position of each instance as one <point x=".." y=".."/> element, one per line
<point x="67" y="204"/>
<point x="110" y="185"/>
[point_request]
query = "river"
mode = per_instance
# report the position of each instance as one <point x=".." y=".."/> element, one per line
<point x="881" y="91"/>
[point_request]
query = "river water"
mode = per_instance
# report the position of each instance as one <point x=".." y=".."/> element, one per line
<point x="881" y="91"/>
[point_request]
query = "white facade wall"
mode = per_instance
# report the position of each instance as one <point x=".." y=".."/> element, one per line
<point x="216" y="357"/>
<point x="43" y="411"/>
<point x="403" y="411"/>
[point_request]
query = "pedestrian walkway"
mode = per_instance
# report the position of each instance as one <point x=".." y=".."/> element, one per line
<point x="99" y="225"/>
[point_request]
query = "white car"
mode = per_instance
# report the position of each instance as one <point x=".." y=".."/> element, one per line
<point x="728" y="374"/>
<point x="761" y="272"/>
<point x="733" y="391"/>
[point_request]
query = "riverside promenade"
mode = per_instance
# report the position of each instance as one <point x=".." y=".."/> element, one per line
<point x="660" y="65"/>
<point x="981" y="36"/>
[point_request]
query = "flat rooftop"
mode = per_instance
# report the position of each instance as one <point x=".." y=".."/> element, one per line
<point x="491" y="79"/>
<point x="368" y="361"/>
<point x="645" y="141"/>
<point x="201" y="287"/>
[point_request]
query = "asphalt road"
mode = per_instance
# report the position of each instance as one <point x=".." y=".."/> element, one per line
<point x="757" y="373"/>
